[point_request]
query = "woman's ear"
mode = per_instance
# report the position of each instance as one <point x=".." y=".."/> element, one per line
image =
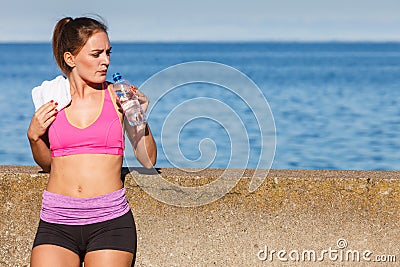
<point x="69" y="59"/>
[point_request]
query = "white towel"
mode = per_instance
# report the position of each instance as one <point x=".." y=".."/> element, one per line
<point x="57" y="89"/>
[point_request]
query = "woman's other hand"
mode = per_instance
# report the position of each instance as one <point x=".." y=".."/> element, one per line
<point x="143" y="100"/>
<point x="41" y="120"/>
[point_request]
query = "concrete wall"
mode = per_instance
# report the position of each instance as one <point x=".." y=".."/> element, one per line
<point x="331" y="213"/>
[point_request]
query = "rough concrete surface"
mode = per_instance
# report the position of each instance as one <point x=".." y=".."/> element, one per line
<point x="338" y="215"/>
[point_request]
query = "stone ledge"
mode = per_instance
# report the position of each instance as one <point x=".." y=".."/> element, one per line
<point x="291" y="210"/>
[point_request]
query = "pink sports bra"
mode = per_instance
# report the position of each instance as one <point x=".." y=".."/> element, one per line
<point x="104" y="136"/>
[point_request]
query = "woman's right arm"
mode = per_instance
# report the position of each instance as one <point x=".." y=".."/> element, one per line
<point x="37" y="134"/>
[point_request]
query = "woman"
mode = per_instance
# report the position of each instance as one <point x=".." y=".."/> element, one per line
<point x="85" y="216"/>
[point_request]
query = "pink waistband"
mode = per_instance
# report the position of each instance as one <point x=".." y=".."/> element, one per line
<point x="62" y="209"/>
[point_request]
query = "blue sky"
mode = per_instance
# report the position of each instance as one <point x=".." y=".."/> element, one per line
<point x="211" y="20"/>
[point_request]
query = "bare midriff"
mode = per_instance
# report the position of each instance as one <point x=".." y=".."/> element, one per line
<point x="85" y="175"/>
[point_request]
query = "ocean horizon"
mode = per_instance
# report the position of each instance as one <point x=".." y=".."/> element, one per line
<point x="335" y="105"/>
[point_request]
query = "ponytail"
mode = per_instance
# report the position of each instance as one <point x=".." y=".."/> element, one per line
<point x="59" y="45"/>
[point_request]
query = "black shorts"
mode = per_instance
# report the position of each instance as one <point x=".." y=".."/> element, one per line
<point x="118" y="234"/>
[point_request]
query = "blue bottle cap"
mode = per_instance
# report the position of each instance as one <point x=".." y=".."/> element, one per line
<point x="117" y="77"/>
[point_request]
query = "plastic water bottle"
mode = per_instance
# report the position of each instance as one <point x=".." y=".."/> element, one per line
<point x="129" y="101"/>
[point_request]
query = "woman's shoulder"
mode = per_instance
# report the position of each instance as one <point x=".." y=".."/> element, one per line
<point x="109" y="86"/>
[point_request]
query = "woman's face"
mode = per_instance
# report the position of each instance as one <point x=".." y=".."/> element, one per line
<point x="92" y="61"/>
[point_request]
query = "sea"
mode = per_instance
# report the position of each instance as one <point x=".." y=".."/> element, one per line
<point x="279" y="105"/>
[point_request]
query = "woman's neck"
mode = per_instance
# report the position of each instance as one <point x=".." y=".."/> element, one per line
<point x="80" y="88"/>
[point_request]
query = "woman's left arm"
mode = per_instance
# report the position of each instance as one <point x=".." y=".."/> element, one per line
<point x="141" y="138"/>
<point x="143" y="144"/>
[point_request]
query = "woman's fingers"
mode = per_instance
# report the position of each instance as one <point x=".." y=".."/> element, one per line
<point x="45" y="113"/>
<point x="143" y="100"/>
<point x="142" y="97"/>
<point x="45" y="109"/>
<point x="42" y="119"/>
<point x="49" y="118"/>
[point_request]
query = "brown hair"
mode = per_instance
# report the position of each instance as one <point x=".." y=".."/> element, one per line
<point x="70" y="35"/>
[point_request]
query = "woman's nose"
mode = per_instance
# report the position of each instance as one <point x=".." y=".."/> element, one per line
<point x="106" y="59"/>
